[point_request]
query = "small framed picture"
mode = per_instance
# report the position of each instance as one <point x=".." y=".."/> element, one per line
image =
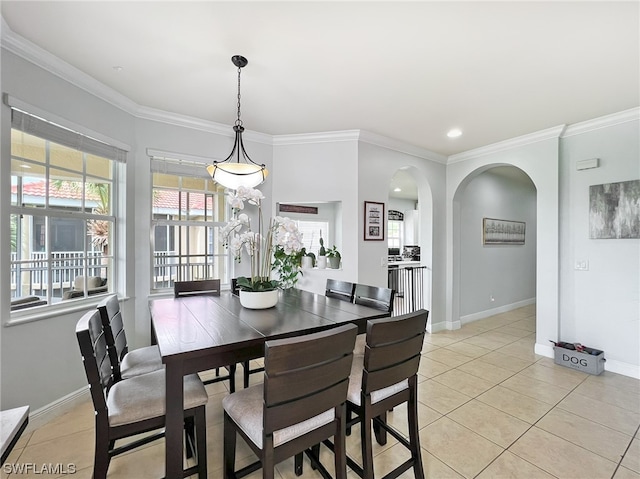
<point x="373" y="221"/>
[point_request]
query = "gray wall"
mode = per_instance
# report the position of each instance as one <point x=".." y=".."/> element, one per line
<point x="505" y="272"/>
<point x="40" y="361"/>
<point x="599" y="307"/>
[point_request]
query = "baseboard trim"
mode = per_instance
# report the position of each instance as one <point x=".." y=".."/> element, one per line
<point x="58" y="407"/>
<point x="618" y="367"/>
<point x="500" y="309"/>
<point x="435" y="328"/>
<point x="543" y="350"/>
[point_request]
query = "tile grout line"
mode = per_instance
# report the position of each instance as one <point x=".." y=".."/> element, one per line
<point x="625" y="452"/>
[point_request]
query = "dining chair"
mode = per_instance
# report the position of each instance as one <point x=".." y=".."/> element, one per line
<point x="125" y="363"/>
<point x="209" y="287"/>
<point x="197" y="287"/>
<point x="383" y="377"/>
<point x="374" y="297"/>
<point x="300" y="403"/>
<point x="133" y="406"/>
<point x="342" y="290"/>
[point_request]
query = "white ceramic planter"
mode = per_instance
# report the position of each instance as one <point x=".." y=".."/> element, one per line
<point x="321" y="262"/>
<point x="259" y="300"/>
<point x="307" y="262"/>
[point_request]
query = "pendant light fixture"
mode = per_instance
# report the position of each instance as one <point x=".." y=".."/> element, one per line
<point x="238" y="169"/>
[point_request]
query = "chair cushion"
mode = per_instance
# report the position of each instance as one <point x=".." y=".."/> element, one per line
<point x="141" y="361"/>
<point x="143" y="397"/>
<point x="355" y="384"/>
<point x="245" y="407"/>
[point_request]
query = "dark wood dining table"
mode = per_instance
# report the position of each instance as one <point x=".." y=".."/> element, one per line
<point x="198" y="333"/>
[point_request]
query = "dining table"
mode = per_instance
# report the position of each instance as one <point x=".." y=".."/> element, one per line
<point x="198" y="333"/>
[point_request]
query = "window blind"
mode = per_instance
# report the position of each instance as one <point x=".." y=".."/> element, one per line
<point x="36" y="126"/>
<point x="195" y="167"/>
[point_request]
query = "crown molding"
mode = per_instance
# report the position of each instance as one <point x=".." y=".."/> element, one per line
<point x="358" y="135"/>
<point x="29" y="51"/>
<point x="633" y="114"/>
<point x="542" y="135"/>
<point x="310" y="138"/>
<point x="401" y="147"/>
<point x="32" y="53"/>
<point x="193" y="123"/>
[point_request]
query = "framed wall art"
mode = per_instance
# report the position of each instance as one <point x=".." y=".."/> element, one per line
<point x="496" y="231"/>
<point x="373" y="221"/>
<point x="614" y="210"/>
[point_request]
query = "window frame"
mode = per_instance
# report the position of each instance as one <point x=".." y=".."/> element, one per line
<point x="390" y="237"/>
<point x="185" y="166"/>
<point x="89" y="149"/>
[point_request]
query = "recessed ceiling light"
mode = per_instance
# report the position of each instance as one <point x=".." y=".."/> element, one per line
<point x="454" y="133"/>
<point x="118" y="68"/>
<point x="397" y="189"/>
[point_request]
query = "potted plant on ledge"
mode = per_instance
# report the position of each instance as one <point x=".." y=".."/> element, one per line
<point x="333" y="256"/>
<point x="322" y="254"/>
<point x="278" y="247"/>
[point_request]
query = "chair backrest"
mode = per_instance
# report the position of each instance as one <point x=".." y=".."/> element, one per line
<point x="95" y="357"/>
<point x="306" y="376"/>
<point x="191" y="288"/>
<point x="374" y="297"/>
<point x="113" y="327"/>
<point x="392" y="351"/>
<point x="340" y="289"/>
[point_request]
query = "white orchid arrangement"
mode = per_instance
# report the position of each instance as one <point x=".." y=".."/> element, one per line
<point x="278" y="249"/>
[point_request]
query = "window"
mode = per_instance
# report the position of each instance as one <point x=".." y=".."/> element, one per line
<point x="311" y="231"/>
<point x="394" y="234"/>
<point x="62" y="216"/>
<point x="188" y="210"/>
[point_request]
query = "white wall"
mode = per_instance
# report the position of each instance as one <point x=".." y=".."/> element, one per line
<point x="505" y="273"/>
<point x="312" y="171"/>
<point x="600" y="307"/>
<point x="376" y="167"/>
<point x="401" y="204"/>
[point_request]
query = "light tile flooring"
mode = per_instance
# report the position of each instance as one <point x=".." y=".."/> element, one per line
<point x="489" y="408"/>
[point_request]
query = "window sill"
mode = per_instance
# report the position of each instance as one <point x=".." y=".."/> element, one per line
<point x="63" y="307"/>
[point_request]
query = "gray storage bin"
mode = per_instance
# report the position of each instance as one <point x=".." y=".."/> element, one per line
<point x="587" y="363"/>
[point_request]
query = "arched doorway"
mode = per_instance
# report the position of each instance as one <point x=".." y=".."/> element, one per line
<point x="410" y="239"/>
<point x="496" y="222"/>
<point x="538" y="156"/>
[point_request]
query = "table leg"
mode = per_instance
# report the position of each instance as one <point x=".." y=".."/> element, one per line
<point x="174" y="420"/>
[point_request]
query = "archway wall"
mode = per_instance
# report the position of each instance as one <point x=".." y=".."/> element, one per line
<point x="538" y="156"/>
<point x="496" y="278"/>
<point x="376" y="166"/>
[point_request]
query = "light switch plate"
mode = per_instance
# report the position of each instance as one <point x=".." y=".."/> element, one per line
<point x="582" y="265"/>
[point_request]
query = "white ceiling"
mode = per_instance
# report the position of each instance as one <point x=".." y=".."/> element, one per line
<point x="406" y="70"/>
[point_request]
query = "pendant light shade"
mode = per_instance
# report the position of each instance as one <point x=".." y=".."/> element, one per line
<point x="238" y="169"/>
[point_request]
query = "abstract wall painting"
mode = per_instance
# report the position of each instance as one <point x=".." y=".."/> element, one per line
<point x="614" y="210"/>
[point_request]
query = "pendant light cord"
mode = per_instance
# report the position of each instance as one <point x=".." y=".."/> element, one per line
<point x="239" y="121"/>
